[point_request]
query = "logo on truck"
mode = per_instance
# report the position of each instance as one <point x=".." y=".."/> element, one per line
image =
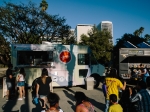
<point x="65" y="56"/>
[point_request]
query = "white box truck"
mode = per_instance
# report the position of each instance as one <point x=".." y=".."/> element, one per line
<point x="68" y="65"/>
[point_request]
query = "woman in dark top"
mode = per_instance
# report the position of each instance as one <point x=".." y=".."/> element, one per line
<point x="43" y="87"/>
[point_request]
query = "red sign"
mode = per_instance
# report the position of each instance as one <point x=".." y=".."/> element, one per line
<point x="65" y="56"/>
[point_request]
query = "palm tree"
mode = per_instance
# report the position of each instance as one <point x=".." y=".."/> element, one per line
<point x="141" y="30"/>
<point x="136" y="33"/>
<point x="44" y="5"/>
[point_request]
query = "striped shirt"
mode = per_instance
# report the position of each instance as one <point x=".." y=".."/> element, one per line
<point x="143" y="100"/>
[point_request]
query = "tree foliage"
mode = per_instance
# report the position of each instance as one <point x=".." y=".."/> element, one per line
<point x="44" y="5"/>
<point x="4" y="51"/>
<point x="134" y="38"/>
<point x="139" y="31"/>
<point x="70" y="40"/>
<point x="147" y="38"/>
<point x="28" y="24"/>
<point x="99" y="43"/>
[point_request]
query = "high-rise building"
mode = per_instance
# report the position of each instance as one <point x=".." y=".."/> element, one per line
<point x="82" y="29"/>
<point x="107" y="25"/>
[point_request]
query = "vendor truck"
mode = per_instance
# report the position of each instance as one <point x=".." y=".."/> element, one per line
<point x="68" y="65"/>
<point x="130" y="59"/>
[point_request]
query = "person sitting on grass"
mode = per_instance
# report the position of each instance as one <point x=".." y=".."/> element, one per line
<point x="115" y="107"/>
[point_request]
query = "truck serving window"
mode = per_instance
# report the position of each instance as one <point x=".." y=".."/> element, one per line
<point x="83" y="59"/>
<point x="34" y="57"/>
<point x="136" y="59"/>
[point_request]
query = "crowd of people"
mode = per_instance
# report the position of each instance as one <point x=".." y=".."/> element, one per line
<point x="132" y="100"/>
<point x="135" y="99"/>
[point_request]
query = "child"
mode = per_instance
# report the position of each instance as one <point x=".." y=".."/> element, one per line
<point x="115" y="107"/>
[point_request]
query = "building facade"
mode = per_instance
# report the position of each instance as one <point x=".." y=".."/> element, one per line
<point x="82" y="29"/>
<point x="107" y="25"/>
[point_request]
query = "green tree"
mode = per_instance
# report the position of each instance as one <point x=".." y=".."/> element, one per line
<point x="136" y="33"/>
<point x="4" y="50"/>
<point x="70" y="40"/>
<point x="141" y="29"/>
<point x="128" y="37"/>
<point x="28" y="24"/>
<point x="99" y="43"/>
<point x="44" y="5"/>
<point x="147" y="38"/>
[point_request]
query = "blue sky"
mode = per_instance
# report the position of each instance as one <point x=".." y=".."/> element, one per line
<point x="126" y="15"/>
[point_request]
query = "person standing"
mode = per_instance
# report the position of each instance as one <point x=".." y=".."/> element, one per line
<point x="144" y="73"/>
<point x="112" y="87"/>
<point x="142" y="97"/>
<point x="82" y="103"/>
<point x="21" y="83"/>
<point x="115" y="107"/>
<point x="43" y="87"/>
<point x="9" y="80"/>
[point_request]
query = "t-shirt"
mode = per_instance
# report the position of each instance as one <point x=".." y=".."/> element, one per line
<point x="112" y="86"/>
<point x="115" y="108"/>
<point x="146" y="74"/>
<point x="44" y="89"/>
<point x="8" y="72"/>
<point x="20" y="77"/>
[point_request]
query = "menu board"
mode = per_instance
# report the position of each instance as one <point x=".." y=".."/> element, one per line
<point x="137" y="52"/>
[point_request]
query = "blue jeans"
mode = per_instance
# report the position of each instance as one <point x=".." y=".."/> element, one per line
<point x="144" y="78"/>
<point x="106" y="105"/>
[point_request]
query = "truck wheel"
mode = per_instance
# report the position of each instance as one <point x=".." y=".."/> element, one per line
<point x="96" y="79"/>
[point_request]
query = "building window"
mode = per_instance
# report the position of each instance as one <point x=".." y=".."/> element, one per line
<point x="83" y="59"/>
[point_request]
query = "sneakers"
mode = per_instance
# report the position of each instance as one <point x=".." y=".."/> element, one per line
<point x="19" y="98"/>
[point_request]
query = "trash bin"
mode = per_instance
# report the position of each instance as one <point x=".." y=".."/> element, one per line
<point x="89" y="83"/>
<point x="4" y="87"/>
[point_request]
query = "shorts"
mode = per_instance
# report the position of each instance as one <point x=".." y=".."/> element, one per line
<point x="9" y="85"/>
<point x="41" y="96"/>
<point x="21" y="83"/>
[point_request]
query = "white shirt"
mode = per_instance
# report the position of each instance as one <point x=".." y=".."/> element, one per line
<point x="20" y="77"/>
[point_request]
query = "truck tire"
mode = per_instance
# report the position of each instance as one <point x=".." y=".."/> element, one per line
<point x="97" y="80"/>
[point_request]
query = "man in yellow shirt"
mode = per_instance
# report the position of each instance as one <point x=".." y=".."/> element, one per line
<point x="115" y="107"/>
<point x="112" y="86"/>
